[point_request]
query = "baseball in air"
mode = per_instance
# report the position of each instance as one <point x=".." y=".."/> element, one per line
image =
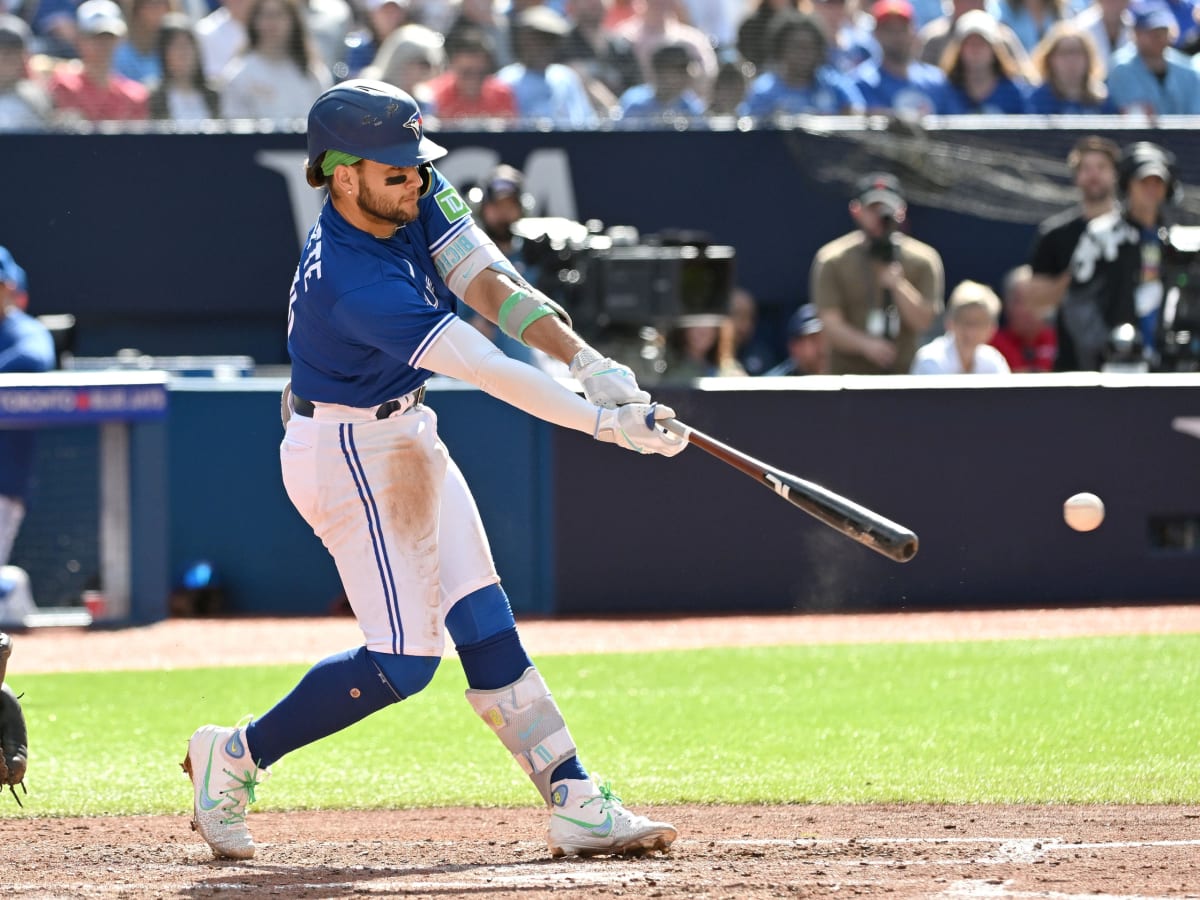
<point x="1084" y="512"/>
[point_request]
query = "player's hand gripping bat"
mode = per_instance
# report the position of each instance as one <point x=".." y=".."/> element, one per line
<point x="856" y="522"/>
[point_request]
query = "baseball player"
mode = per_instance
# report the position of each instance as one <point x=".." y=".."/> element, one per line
<point x="370" y="318"/>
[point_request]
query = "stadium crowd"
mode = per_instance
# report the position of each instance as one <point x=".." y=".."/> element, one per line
<point x="581" y="63"/>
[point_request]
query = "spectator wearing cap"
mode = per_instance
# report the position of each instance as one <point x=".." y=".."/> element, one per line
<point x="971" y="317"/>
<point x="878" y="289"/>
<point x="982" y="78"/>
<point x="544" y="88"/>
<point x="1030" y="19"/>
<point x="89" y="88"/>
<point x="669" y="93"/>
<point x="183" y="94"/>
<point x="898" y="83"/>
<point x="807" y="345"/>
<point x="800" y="79"/>
<point x="936" y="35"/>
<point x="1071" y="73"/>
<point x="469" y="88"/>
<point x="25" y="346"/>
<point x="1109" y="23"/>
<point x="24" y="104"/>
<point x="136" y="56"/>
<point x="1151" y="77"/>
<point x="656" y="22"/>
<point x="361" y="44"/>
<point x="410" y="57"/>
<point x="277" y="75"/>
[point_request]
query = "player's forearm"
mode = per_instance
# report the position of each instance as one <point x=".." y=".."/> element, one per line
<point x="491" y="289"/>
<point x="461" y="352"/>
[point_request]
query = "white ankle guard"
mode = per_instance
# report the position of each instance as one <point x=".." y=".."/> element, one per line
<point x="527" y="721"/>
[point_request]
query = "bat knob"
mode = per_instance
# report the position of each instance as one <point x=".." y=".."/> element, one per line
<point x="650" y="416"/>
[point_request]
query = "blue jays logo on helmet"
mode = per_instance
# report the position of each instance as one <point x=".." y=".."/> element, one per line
<point x="371" y="119"/>
<point x="414" y="122"/>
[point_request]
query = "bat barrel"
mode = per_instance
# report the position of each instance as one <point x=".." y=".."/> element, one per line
<point x="857" y="522"/>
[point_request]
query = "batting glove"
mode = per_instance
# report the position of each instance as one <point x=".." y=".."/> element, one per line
<point x="635" y="428"/>
<point x="605" y="382"/>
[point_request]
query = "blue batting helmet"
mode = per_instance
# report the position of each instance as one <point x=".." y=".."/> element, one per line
<point x="371" y="119"/>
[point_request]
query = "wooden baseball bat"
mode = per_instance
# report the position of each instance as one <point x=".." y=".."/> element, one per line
<point x="839" y="513"/>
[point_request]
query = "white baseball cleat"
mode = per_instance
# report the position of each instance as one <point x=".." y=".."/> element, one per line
<point x="223" y="780"/>
<point x="587" y="819"/>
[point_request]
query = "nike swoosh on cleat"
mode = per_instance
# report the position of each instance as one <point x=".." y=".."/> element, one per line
<point x="206" y="802"/>
<point x="603" y="829"/>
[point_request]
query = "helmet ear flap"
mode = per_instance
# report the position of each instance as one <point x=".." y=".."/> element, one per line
<point x="426" y="171"/>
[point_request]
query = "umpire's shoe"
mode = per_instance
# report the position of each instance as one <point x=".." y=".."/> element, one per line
<point x="223" y="778"/>
<point x="588" y="820"/>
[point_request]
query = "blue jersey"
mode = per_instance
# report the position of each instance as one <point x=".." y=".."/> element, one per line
<point x="921" y="92"/>
<point x="830" y="93"/>
<point x="1008" y="98"/>
<point x="363" y="310"/>
<point x="1044" y="102"/>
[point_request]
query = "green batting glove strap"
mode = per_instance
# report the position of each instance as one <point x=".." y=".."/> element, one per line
<point x="520" y="310"/>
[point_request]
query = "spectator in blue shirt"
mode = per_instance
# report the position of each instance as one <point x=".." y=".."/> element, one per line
<point x="1071" y="73"/>
<point x="898" y="83"/>
<point x="1151" y="77"/>
<point x="983" y="78"/>
<point x="136" y="56"/>
<point x="545" y="89"/>
<point x="669" y="94"/>
<point x="800" y="79"/>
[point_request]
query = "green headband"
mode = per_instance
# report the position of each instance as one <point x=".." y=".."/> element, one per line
<point x="335" y="158"/>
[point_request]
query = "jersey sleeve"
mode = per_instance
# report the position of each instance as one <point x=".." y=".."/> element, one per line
<point x="459" y="247"/>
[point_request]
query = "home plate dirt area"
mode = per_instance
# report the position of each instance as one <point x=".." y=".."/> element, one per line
<point x="893" y="851"/>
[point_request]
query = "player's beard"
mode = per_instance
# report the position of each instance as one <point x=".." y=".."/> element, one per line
<point x="398" y="212"/>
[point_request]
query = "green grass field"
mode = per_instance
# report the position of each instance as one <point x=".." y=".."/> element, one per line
<point x="1097" y="720"/>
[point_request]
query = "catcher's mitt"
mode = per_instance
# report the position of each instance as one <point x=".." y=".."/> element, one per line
<point x="14" y="739"/>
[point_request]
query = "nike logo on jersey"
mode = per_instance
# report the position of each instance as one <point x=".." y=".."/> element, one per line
<point x="430" y="296"/>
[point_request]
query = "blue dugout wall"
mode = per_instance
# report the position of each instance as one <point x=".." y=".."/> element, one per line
<point x="979" y="468"/>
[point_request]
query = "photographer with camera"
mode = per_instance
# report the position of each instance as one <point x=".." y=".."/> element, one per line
<point x="1116" y="269"/>
<point x="878" y="290"/>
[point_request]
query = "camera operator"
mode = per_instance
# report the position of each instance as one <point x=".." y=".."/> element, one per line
<point x="1116" y="269"/>
<point x="878" y="290"/>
